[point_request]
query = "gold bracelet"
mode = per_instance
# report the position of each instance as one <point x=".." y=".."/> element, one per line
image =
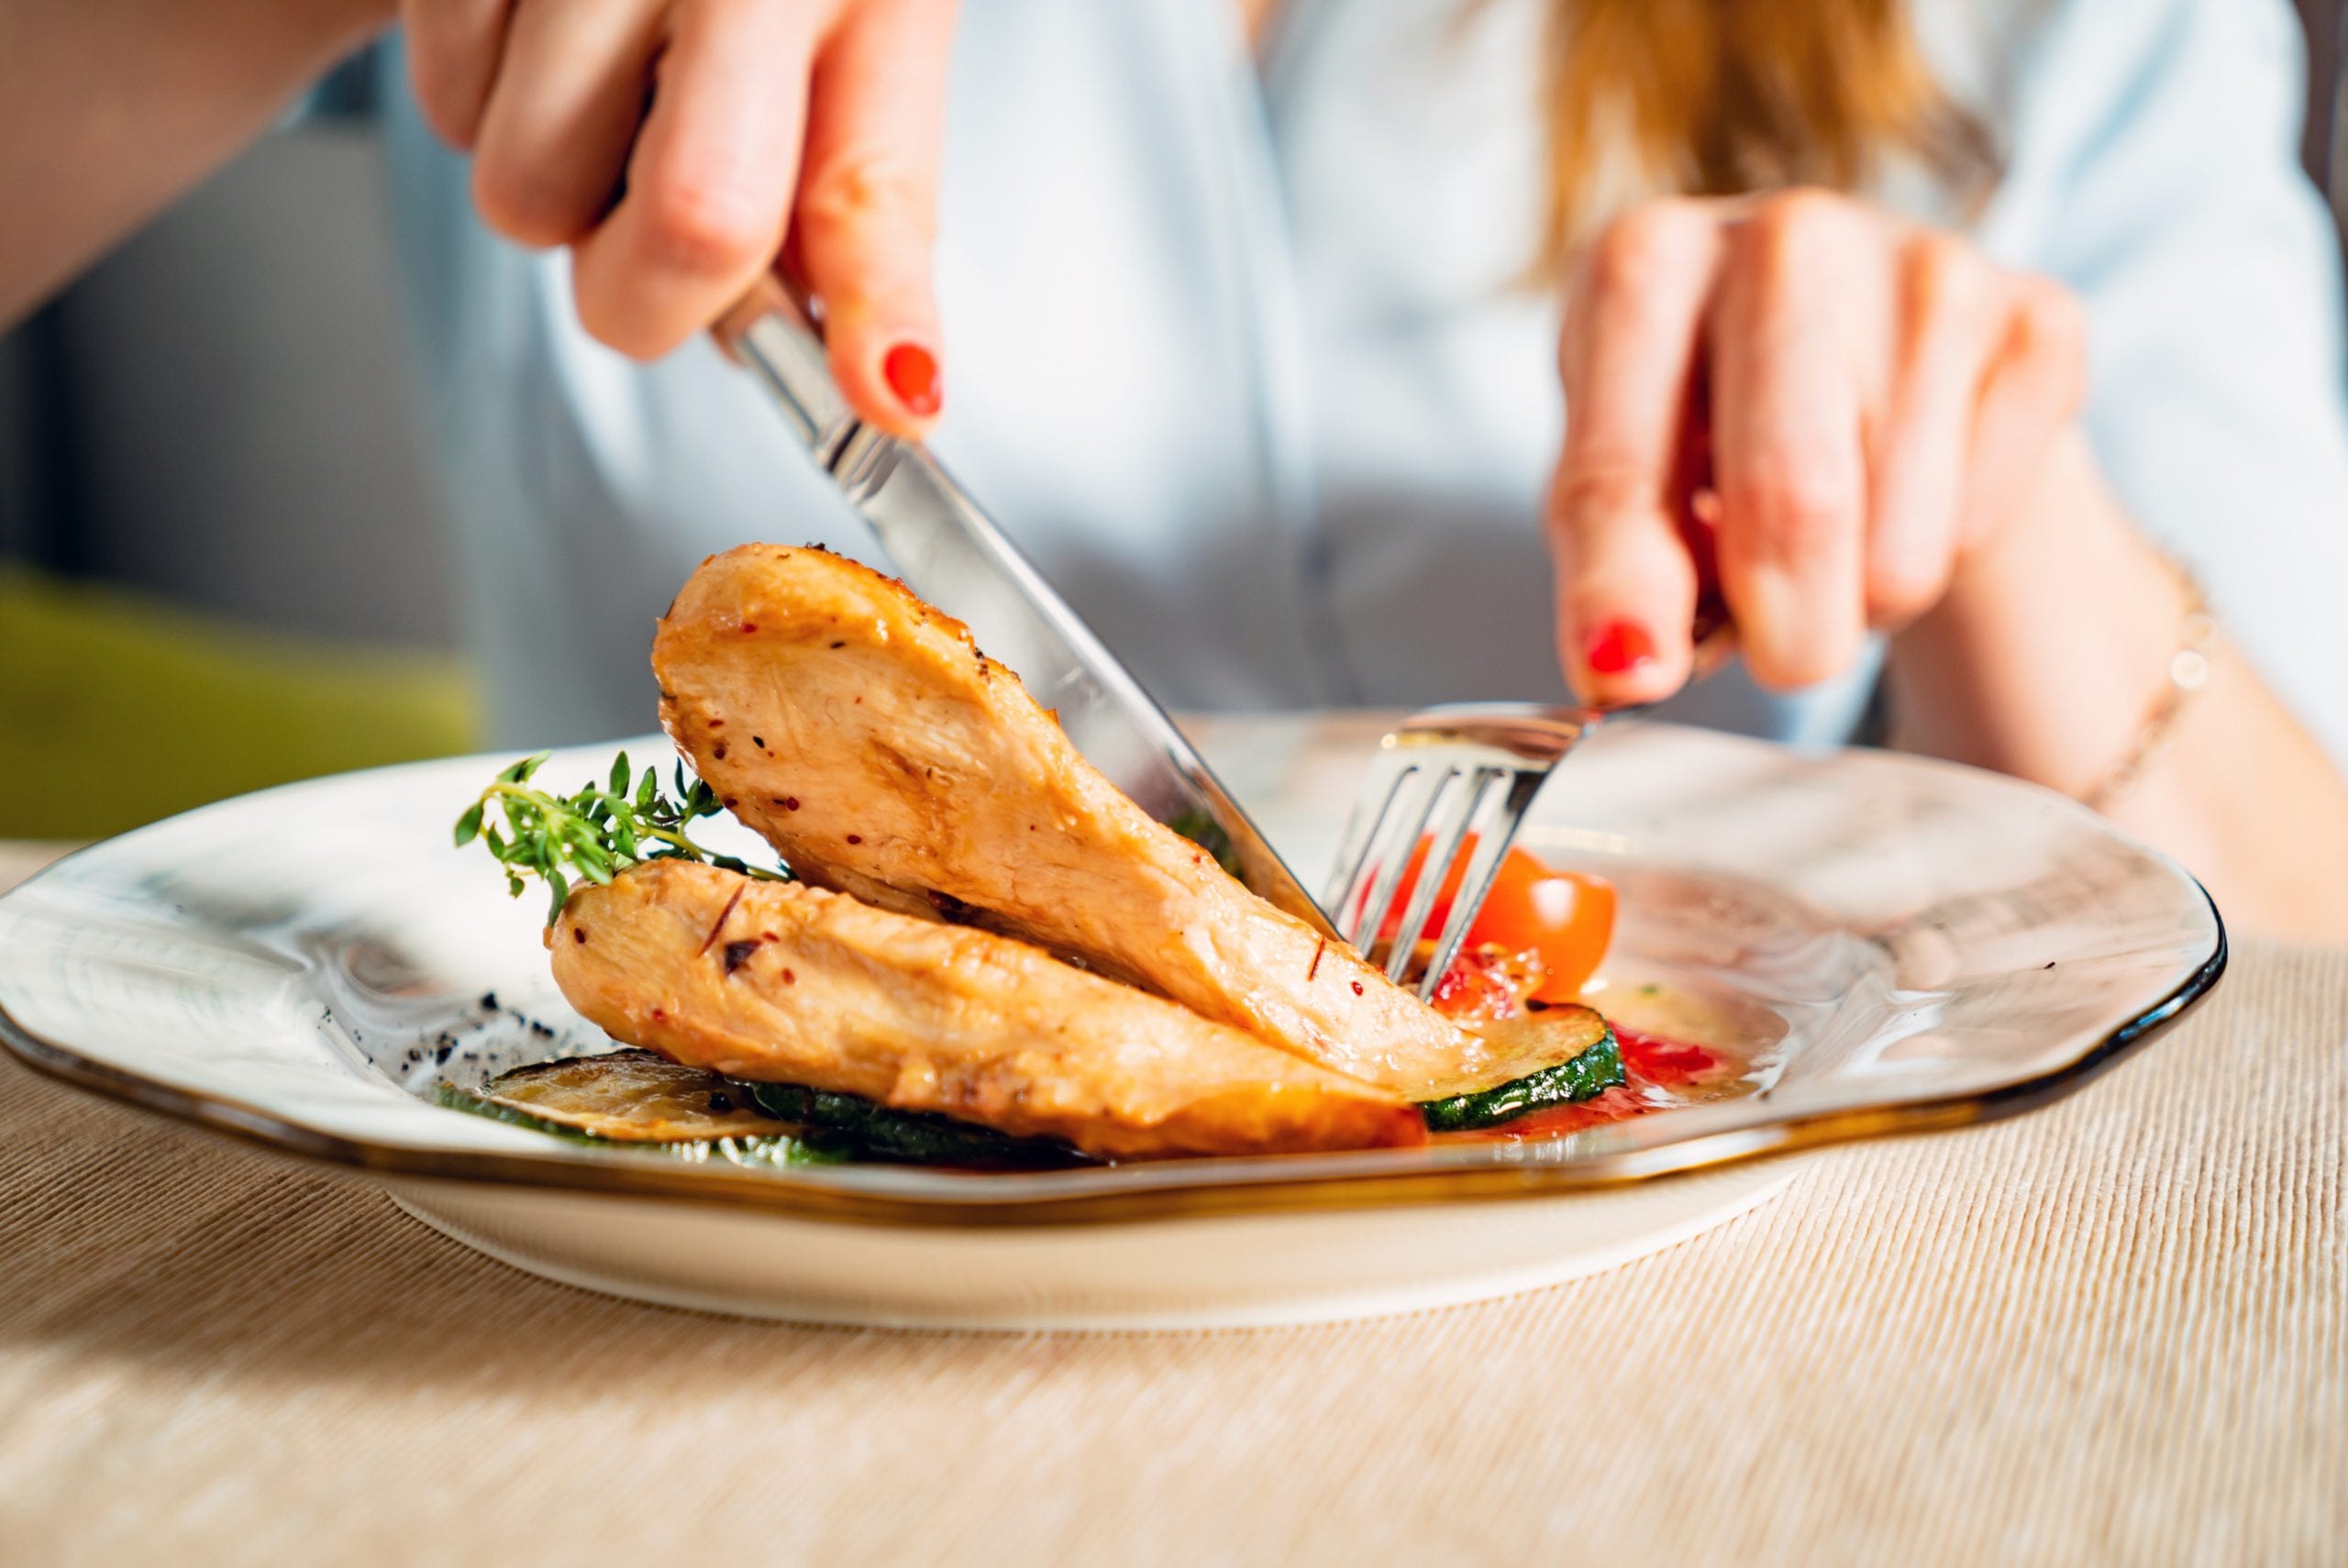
<point x="2188" y="671"/>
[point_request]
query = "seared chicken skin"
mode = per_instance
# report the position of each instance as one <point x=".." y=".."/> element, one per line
<point x="784" y="983"/>
<point x="862" y="733"/>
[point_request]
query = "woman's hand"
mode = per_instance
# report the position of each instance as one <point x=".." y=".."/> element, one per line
<point x="1829" y="407"/>
<point x="1855" y="421"/>
<point x="678" y="147"/>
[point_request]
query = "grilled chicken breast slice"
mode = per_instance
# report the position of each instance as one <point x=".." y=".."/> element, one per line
<point x="784" y="983"/>
<point x="861" y="732"/>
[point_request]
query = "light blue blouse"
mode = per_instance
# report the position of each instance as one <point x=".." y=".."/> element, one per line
<point x="1235" y="349"/>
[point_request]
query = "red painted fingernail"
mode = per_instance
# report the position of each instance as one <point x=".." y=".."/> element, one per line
<point x="912" y="373"/>
<point x="1618" y="647"/>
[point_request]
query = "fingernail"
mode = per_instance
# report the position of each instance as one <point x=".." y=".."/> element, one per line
<point x="1617" y="647"/>
<point x="911" y="371"/>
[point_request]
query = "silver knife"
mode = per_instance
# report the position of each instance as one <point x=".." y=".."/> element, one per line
<point x="951" y="554"/>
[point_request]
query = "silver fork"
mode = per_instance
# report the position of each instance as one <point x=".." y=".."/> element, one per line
<point x="1447" y="772"/>
<point x="1443" y="774"/>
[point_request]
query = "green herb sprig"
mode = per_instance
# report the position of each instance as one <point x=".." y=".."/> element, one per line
<point x="595" y="834"/>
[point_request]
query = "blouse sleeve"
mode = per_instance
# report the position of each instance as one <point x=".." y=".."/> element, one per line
<point x="2154" y="171"/>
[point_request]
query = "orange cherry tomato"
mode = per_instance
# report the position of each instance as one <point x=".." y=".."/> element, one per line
<point x="1566" y="917"/>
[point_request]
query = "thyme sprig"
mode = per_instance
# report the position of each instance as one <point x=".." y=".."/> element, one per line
<point x="597" y="832"/>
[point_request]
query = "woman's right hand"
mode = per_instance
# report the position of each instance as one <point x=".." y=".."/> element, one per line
<point x="680" y="146"/>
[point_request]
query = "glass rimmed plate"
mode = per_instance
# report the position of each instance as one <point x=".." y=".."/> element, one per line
<point x="1894" y="945"/>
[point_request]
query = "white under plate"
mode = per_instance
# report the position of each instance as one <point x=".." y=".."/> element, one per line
<point x="1912" y="945"/>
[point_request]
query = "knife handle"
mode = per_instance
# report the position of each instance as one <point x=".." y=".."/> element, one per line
<point x="767" y="331"/>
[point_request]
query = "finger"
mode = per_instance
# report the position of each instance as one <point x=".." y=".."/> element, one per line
<point x="1627" y="587"/>
<point x="453" y="46"/>
<point x="1952" y="314"/>
<point x="865" y="217"/>
<point x="710" y="179"/>
<point x="1786" y="453"/>
<point x="569" y="97"/>
<point x="2034" y="386"/>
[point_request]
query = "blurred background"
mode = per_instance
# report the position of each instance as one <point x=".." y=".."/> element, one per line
<point x="221" y="565"/>
<point x="221" y="562"/>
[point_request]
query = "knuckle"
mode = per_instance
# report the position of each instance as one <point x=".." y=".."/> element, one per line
<point x="1901" y="590"/>
<point x="1789" y="511"/>
<point x="2050" y="335"/>
<point x="1647" y="242"/>
<point x="867" y="188"/>
<point x="705" y="229"/>
<point x="1801" y="214"/>
<point x="1945" y="277"/>
<point x="1791" y="238"/>
<point x="1590" y="490"/>
<point x="518" y="200"/>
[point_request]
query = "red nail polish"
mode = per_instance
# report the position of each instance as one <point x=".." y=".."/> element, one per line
<point x="912" y="373"/>
<point x="1618" y="647"/>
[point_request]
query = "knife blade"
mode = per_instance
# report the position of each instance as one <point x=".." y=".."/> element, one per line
<point x="949" y="552"/>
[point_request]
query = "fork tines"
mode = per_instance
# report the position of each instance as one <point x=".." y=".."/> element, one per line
<point x="1445" y="805"/>
<point x="1446" y="776"/>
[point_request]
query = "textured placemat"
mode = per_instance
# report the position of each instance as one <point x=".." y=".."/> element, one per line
<point x="2111" y="1331"/>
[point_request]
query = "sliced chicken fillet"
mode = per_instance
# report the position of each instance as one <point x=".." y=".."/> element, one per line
<point x="862" y="733"/>
<point x="784" y="983"/>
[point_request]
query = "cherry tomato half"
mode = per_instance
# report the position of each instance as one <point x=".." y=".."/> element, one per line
<point x="1567" y="917"/>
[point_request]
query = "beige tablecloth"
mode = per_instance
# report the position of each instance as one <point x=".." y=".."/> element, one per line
<point x="2114" y="1331"/>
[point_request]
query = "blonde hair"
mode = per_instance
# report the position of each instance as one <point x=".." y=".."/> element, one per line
<point x="1719" y="97"/>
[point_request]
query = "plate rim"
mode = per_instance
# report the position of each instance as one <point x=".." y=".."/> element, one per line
<point x="386" y="1162"/>
<point x="258" y="1128"/>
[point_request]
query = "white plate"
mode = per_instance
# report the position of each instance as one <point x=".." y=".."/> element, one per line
<point x="1933" y="945"/>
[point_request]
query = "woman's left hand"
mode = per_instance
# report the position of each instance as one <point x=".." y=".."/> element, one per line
<point x="1827" y="406"/>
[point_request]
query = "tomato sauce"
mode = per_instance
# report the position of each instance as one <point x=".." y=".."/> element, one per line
<point x="1665" y="1064"/>
<point x="1490" y="983"/>
<point x="1662" y="1073"/>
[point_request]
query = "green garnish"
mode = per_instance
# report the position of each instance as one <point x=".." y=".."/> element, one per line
<point x="598" y="832"/>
